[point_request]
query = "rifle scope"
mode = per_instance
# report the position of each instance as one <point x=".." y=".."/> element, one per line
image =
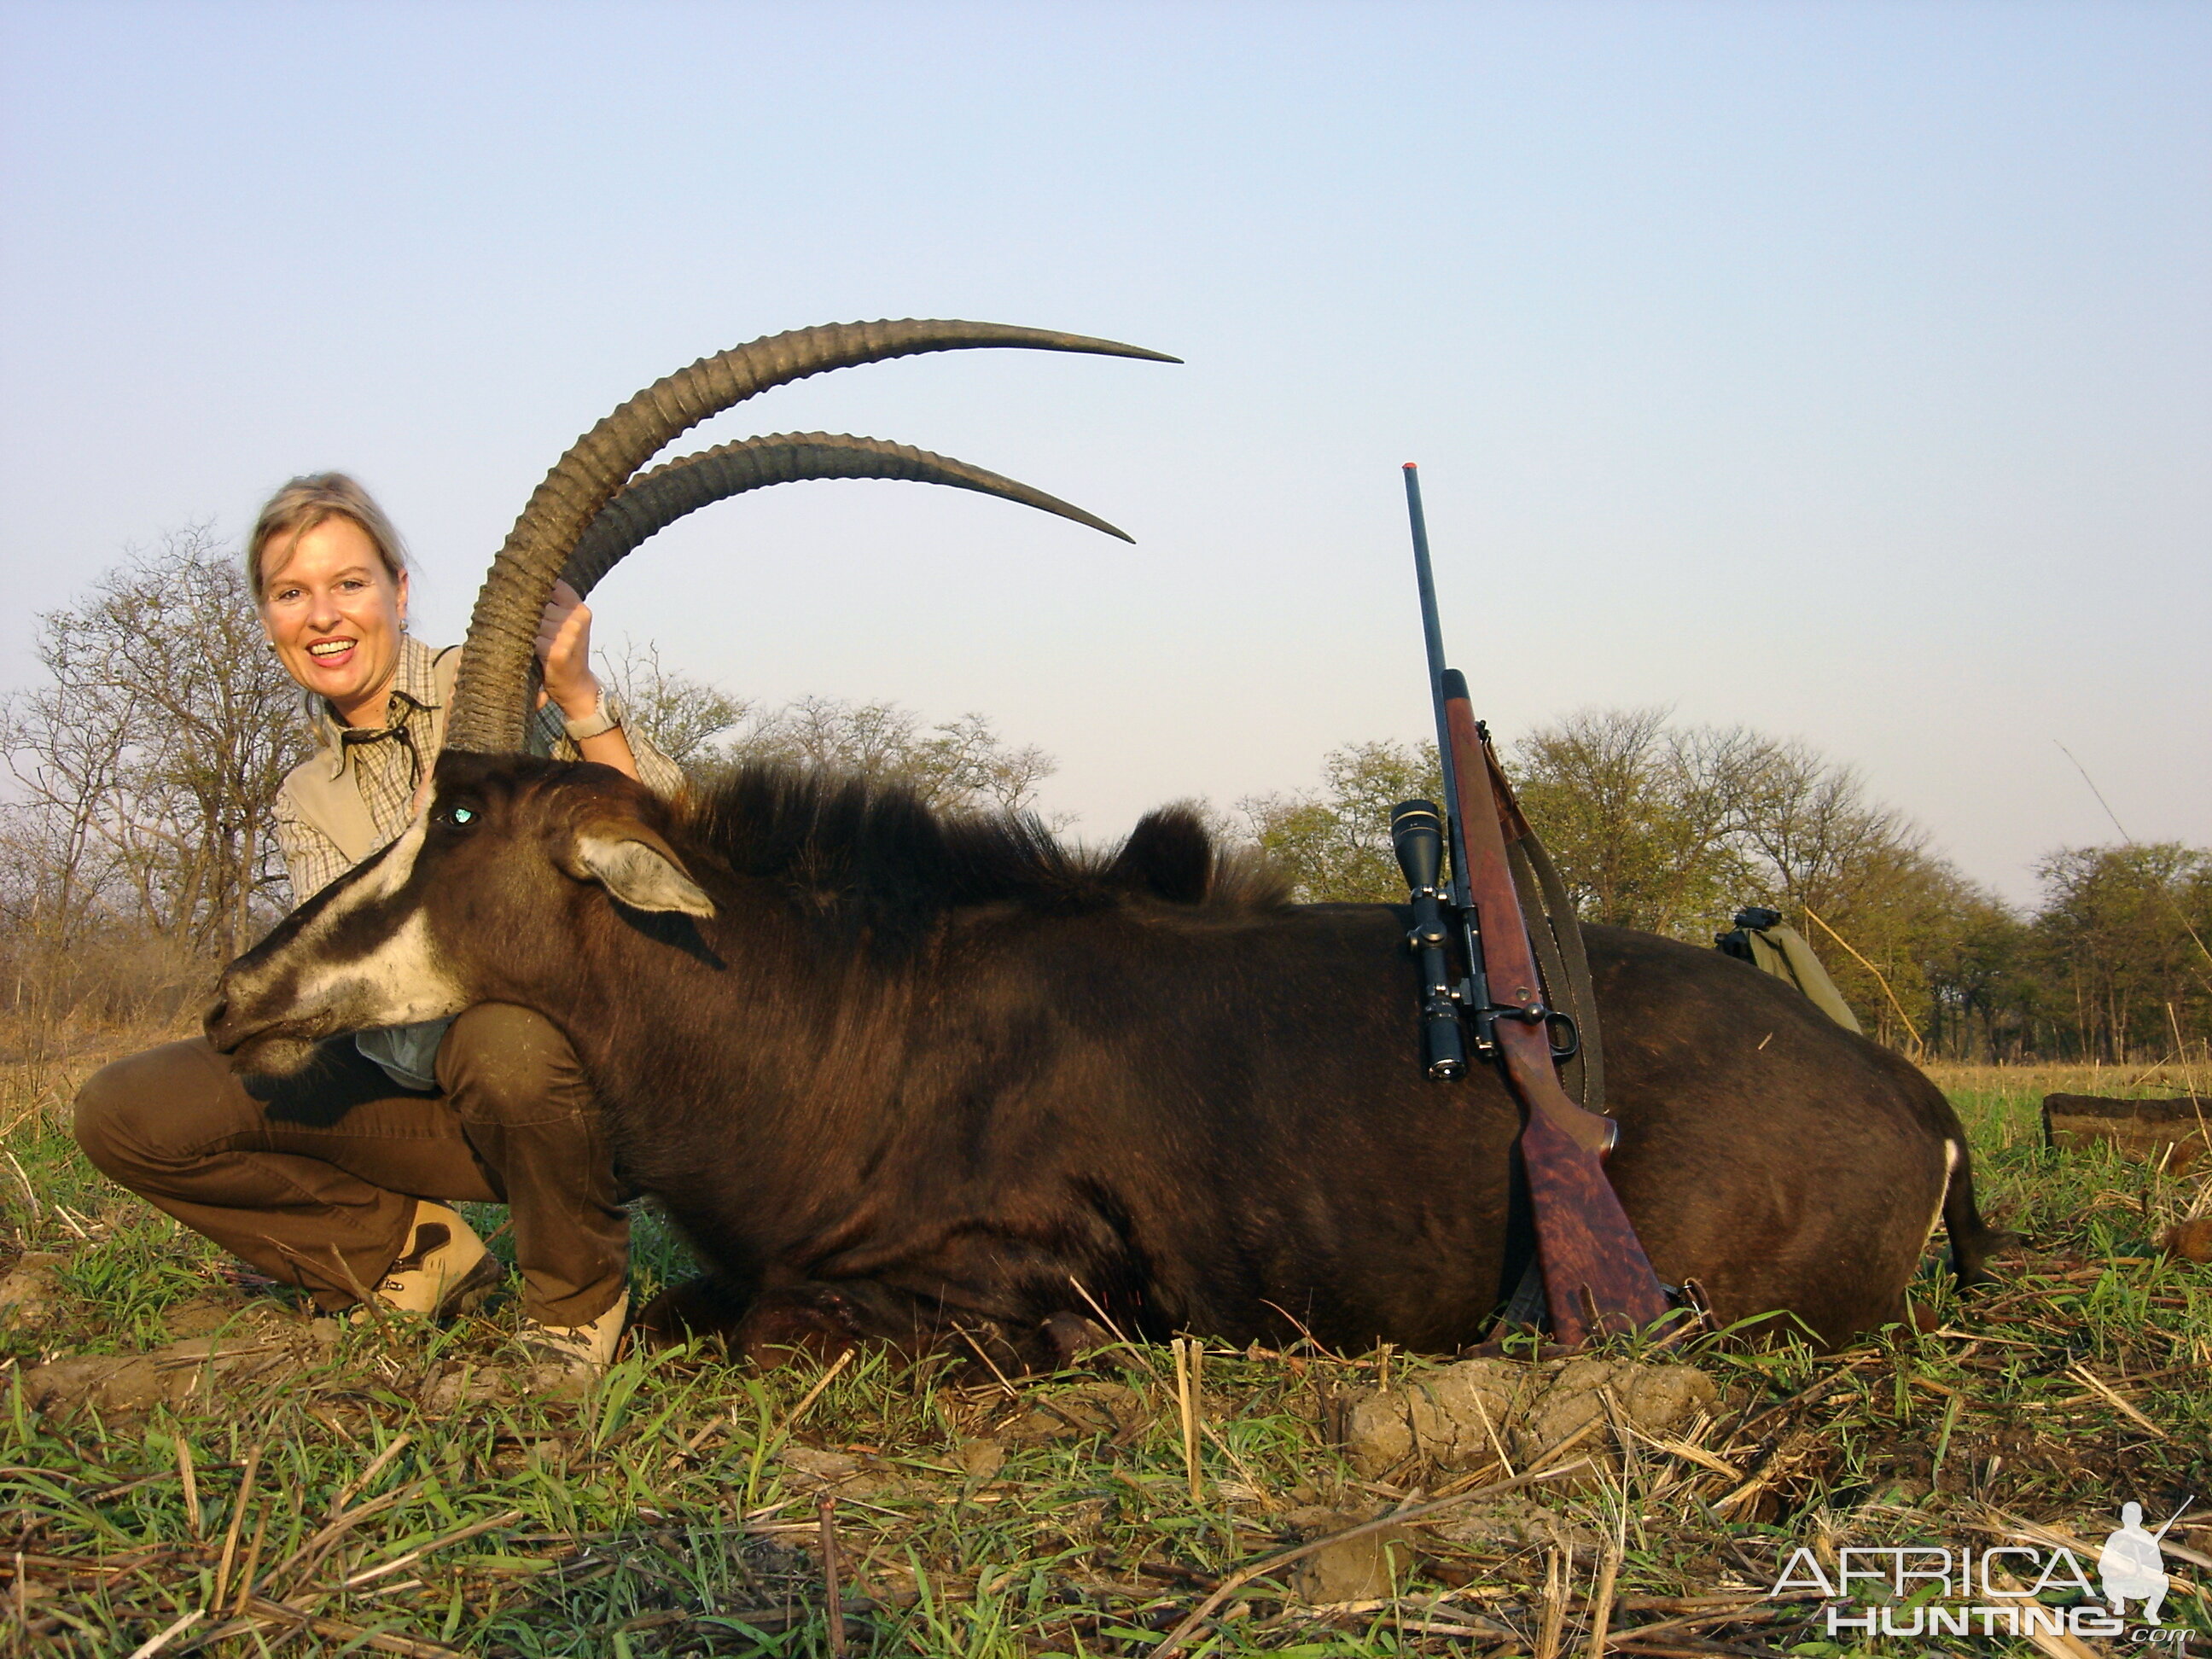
<point x="1417" y="836"/>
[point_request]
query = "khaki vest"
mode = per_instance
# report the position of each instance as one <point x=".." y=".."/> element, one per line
<point x="333" y="804"/>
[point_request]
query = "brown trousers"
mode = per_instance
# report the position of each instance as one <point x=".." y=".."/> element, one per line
<point x="312" y="1179"/>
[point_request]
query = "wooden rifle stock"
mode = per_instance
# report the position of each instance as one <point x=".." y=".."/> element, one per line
<point x="1597" y="1281"/>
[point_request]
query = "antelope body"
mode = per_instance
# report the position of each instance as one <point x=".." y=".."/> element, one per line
<point x="894" y="1075"/>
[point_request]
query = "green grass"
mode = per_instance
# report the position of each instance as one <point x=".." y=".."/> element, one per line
<point x="661" y="1515"/>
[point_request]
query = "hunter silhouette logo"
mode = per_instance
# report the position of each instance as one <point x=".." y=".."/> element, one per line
<point x="2130" y="1566"/>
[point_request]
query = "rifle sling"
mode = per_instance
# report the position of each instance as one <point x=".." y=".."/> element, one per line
<point x="1556" y="932"/>
<point x="1562" y="961"/>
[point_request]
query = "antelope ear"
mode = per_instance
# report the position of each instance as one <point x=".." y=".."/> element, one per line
<point x="640" y="869"/>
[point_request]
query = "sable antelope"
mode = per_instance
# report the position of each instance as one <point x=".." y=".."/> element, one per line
<point x="897" y="1073"/>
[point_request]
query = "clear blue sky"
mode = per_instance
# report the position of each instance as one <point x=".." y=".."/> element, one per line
<point x="1845" y="370"/>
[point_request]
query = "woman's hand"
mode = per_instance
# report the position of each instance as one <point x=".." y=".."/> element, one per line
<point x="564" y="652"/>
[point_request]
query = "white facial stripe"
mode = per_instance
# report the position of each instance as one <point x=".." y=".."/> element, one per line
<point x="390" y="876"/>
<point x="397" y="983"/>
<point x="401" y="982"/>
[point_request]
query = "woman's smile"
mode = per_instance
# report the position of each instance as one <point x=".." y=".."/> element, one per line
<point x="336" y="617"/>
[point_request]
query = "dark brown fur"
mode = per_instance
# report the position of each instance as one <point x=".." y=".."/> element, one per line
<point x="921" y="1076"/>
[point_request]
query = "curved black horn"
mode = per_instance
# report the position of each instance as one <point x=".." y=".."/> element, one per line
<point x="653" y="501"/>
<point x="490" y="702"/>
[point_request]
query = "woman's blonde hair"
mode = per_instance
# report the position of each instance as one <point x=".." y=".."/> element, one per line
<point x="305" y="503"/>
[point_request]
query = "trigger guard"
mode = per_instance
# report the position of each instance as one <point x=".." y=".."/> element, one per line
<point x="1558" y="1026"/>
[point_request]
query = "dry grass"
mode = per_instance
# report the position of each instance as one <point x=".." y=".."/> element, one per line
<point x="327" y="1491"/>
<point x="1957" y="1077"/>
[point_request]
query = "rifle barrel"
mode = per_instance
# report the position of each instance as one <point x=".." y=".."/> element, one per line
<point x="1432" y="634"/>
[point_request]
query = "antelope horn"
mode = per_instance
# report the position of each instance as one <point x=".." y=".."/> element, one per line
<point x="653" y="501"/>
<point x="490" y="702"/>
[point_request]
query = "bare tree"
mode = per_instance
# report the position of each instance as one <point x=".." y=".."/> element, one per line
<point x="67" y="745"/>
<point x="960" y="764"/>
<point x="871" y="740"/>
<point x="147" y="765"/>
<point x="688" y="719"/>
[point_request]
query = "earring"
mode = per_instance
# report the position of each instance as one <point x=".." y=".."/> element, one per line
<point x="402" y="625"/>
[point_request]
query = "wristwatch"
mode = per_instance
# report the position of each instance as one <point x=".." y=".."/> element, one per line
<point x="601" y="721"/>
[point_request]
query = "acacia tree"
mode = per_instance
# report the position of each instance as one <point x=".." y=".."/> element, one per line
<point x="960" y="764"/>
<point x="1672" y="829"/>
<point x="1856" y="875"/>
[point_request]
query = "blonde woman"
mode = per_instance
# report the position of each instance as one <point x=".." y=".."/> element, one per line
<point x="342" y="1179"/>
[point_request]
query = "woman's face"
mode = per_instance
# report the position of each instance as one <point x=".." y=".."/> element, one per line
<point x="333" y="612"/>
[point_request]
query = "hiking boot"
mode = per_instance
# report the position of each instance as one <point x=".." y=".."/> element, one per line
<point x="573" y="1355"/>
<point x="444" y="1272"/>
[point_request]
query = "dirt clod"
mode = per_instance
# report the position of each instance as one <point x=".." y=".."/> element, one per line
<point x="839" y="1472"/>
<point x="982" y="1459"/>
<point x="30" y="1287"/>
<point x="171" y="1375"/>
<point x="1482" y="1411"/>
<point x="1349" y="1569"/>
<point x="204" y="1316"/>
<point x="1080" y="1412"/>
<point x="452" y="1387"/>
<point x="1514" y="1522"/>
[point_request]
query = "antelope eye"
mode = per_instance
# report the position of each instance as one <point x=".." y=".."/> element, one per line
<point x="458" y="816"/>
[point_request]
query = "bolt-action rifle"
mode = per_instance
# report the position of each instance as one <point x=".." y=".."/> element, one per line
<point x="1596" y="1278"/>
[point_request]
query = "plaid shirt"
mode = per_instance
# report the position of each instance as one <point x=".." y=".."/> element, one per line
<point x="388" y="764"/>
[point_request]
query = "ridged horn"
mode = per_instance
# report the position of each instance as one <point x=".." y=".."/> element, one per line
<point x="653" y="501"/>
<point x="489" y="703"/>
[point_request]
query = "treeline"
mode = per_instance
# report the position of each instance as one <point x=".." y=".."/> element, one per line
<point x="137" y="845"/>
<point x="1672" y="829"/>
